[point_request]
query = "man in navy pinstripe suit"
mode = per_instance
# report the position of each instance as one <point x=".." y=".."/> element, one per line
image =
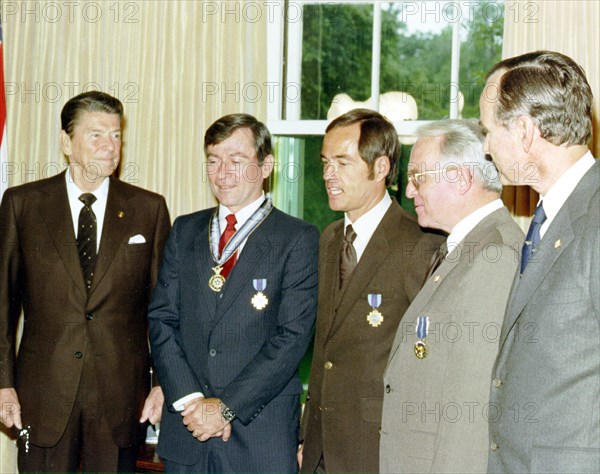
<point x="232" y="315"/>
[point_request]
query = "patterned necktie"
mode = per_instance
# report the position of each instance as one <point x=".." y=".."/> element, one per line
<point x="436" y="260"/>
<point x="228" y="234"/>
<point x="86" y="238"/>
<point x="532" y="241"/>
<point x="347" y="255"/>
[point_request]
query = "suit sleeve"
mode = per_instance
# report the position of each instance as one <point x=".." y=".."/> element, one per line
<point x="10" y="288"/>
<point x="275" y="364"/>
<point x="161" y="233"/>
<point x="176" y="377"/>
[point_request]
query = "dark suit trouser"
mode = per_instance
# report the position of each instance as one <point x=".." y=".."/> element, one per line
<point x="87" y="441"/>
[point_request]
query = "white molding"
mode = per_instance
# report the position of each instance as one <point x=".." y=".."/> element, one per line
<point x="317" y="127"/>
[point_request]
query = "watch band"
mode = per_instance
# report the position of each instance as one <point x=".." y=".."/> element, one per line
<point x="226" y="412"/>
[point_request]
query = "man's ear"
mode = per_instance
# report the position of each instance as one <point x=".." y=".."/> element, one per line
<point x="65" y="143"/>
<point x="527" y="129"/>
<point x="381" y="168"/>
<point x="267" y="166"/>
<point x="465" y="180"/>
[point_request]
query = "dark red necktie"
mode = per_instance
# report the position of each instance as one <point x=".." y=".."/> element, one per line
<point x="228" y="234"/>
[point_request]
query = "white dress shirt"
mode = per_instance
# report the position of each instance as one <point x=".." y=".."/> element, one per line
<point x="562" y="189"/>
<point x="99" y="206"/>
<point x="460" y="230"/>
<point x="366" y="224"/>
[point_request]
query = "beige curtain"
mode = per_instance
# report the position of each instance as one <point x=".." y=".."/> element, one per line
<point x="176" y="65"/>
<point x="569" y="27"/>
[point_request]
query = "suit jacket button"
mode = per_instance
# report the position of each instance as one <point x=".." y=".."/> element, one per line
<point x="493" y="446"/>
<point x="89" y="316"/>
<point x="212" y="352"/>
<point x="388" y="389"/>
<point x="496" y="383"/>
<point x="328" y="365"/>
<point x="78" y="355"/>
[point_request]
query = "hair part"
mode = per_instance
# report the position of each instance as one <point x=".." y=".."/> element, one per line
<point x="461" y="142"/>
<point x="92" y="101"/>
<point x="224" y="127"/>
<point x="552" y="90"/>
<point x="378" y="137"/>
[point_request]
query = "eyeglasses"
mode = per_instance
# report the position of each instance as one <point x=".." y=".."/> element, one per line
<point x="418" y="179"/>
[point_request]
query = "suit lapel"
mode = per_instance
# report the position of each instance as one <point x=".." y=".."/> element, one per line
<point x="117" y="220"/>
<point x="373" y="257"/>
<point x="459" y="256"/>
<point x="205" y="263"/>
<point x="56" y="213"/>
<point x="256" y="246"/>
<point x="558" y="237"/>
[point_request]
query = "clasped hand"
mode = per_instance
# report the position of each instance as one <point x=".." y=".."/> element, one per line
<point x="204" y="420"/>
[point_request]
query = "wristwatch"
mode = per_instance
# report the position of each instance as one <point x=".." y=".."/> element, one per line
<point x="226" y="412"/>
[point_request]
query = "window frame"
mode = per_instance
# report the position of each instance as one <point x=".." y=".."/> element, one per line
<point x="283" y="112"/>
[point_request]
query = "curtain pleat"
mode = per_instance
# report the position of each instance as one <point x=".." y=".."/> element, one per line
<point x="569" y="27"/>
<point x="177" y="66"/>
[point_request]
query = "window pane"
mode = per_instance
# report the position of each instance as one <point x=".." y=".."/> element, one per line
<point x="416" y="42"/>
<point x="480" y="49"/>
<point x="336" y="55"/>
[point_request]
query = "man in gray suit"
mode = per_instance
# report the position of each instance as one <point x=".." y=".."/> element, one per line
<point x="545" y="388"/>
<point x="436" y="381"/>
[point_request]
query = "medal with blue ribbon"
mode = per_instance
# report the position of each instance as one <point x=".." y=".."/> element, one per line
<point x="260" y="300"/>
<point x="421" y="345"/>
<point x="374" y="318"/>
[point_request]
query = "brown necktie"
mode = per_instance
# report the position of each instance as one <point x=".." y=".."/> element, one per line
<point x="86" y="238"/>
<point x="228" y="234"/>
<point x="436" y="260"/>
<point x="347" y="255"/>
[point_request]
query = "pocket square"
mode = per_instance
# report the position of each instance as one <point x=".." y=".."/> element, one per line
<point x="137" y="239"/>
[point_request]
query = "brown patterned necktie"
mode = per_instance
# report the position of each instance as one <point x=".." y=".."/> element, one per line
<point x="436" y="260"/>
<point x="86" y="238"/>
<point x="347" y="256"/>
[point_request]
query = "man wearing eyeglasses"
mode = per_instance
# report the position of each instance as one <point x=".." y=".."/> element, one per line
<point x="437" y="379"/>
<point x="371" y="265"/>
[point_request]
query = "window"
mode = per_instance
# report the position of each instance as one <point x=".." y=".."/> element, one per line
<point x="437" y="52"/>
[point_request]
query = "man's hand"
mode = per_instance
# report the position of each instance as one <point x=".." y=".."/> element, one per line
<point x="10" y="409"/>
<point x="153" y="406"/>
<point x="203" y="419"/>
<point x="299" y="455"/>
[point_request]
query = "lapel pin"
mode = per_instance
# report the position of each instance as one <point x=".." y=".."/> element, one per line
<point x="121" y="214"/>
<point x="436" y="278"/>
<point x="557" y="244"/>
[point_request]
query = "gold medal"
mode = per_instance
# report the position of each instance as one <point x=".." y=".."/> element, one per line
<point x="420" y="349"/>
<point x="216" y="281"/>
<point x="260" y="300"/>
<point x="375" y="318"/>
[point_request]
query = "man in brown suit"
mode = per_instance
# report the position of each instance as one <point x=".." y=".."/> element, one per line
<point x="79" y="254"/>
<point x="371" y="265"/>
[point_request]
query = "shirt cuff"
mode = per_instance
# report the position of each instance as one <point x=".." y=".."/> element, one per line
<point x="179" y="405"/>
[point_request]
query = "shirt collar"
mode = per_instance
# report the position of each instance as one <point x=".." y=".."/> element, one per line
<point x="466" y="225"/>
<point x="242" y="215"/>
<point x="366" y="224"/>
<point x="564" y="186"/>
<point x="74" y="192"/>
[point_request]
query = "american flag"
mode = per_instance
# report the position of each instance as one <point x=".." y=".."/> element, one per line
<point x="3" y="144"/>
